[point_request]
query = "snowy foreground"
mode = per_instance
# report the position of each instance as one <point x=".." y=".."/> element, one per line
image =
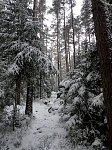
<point x="43" y="131"/>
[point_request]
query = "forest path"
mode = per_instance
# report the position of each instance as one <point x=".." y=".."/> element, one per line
<point x="45" y="132"/>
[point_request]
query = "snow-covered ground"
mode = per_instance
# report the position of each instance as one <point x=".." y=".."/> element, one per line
<point x="43" y="131"/>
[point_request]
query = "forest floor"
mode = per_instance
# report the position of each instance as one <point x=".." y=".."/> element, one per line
<point x="43" y="131"/>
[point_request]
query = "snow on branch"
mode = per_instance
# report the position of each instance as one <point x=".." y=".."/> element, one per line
<point x="29" y="54"/>
<point x="106" y="3"/>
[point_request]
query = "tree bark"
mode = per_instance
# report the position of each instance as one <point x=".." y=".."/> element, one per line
<point x="40" y="85"/>
<point x="35" y="9"/>
<point x="79" y="53"/>
<point x="29" y="98"/>
<point x="103" y="39"/>
<point x="58" y="58"/>
<point x="60" y="64"/>
<point x="18" y="84"/>
<point x="65" y="40"/>
<point x="73" y="30"/>
<point x="68" y="46"/>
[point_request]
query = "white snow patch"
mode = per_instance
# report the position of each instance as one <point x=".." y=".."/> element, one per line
<point x="96" y="143"/>
<point x="44" y="132"/>
<point x="81" y="90"/>
<point x="98" y="100"/>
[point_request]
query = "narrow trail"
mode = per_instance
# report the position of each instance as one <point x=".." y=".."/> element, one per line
<point x="45" y="132"/>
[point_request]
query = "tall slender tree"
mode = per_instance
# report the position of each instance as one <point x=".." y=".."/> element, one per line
<point x="73" y="30"/>
<point x="65" y="38"/>
<point x="56" y="9"/>
<point x="104" y="46"/>
<point x="29" y="96"/>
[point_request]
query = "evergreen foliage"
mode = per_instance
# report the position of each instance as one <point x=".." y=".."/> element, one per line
<point x="83" y="110"/>
<point x="20" y="48"/>
<point x="27" y="73"/>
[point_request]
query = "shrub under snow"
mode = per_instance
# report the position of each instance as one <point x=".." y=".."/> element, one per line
<point x="83" y="109"/>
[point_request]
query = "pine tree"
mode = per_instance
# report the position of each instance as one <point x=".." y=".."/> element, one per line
<point x="87" y="22"/>
<point x="73" y="30"/>
<point x="103" y="37"/>
<point x="20" y="49"/>
<point x="56" y="9"/>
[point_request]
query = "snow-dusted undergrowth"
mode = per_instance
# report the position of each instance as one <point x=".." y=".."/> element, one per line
<point x="83" y="111"/>
<point x="45" y="130"/>
<point x="42" y="132"/>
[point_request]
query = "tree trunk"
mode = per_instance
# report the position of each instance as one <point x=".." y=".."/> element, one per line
<point x="18" y="84"/>
<point x="41" y="20"/>
<point x="40" y="85"/>
<point x="17" y="101"/>
<point x="65" y="40"/>
<point x="102" y="31"/>
<point x="46" y="39"/>
<point x="73" y="30"/>
<point x="79" y="53"/>
<point x="60" y="64"/>
<point x="35" y="9"/>
<point x="58" y="59"/>
<point x="68" y="44"/>
<point x="29" y="98"/>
